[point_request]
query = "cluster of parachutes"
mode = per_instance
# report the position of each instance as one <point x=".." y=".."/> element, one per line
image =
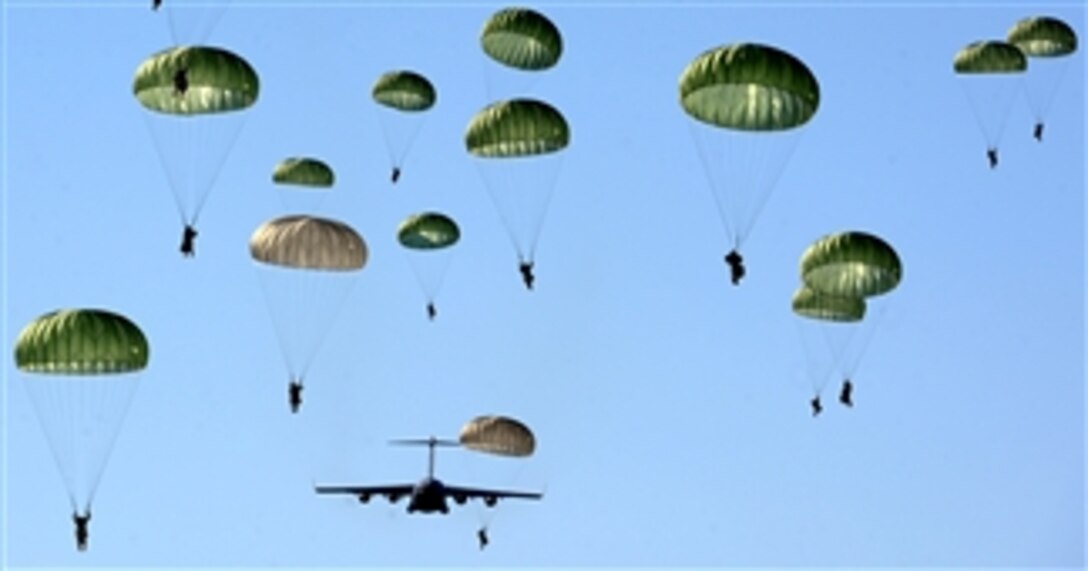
<point x="990" y="72"/>
<point x="839" y="274"/>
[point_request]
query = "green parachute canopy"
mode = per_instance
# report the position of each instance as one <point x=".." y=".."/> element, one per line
<point x="815" y="305"/>
<point x="428" y="231"/>
<point x="308" y="242"/>
<point x="498" y="435"/>
<point x="990" y="57"/>
<point x="522" y="38"/>
<point x="749" y="87"/>
<point x="1043" y="36"/>
<point x="81" y="342"/>
<point x="301" y="171"/>
<point x="404" y="91"/>
<point x="218" y="81"/>
<point x="517" y="128"/>
<point x="851" y="264"/>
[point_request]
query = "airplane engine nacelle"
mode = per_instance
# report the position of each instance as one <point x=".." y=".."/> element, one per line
<point x="460" y="499"/>
<point x="393" y="498"/>
<point x="364" y="498"/>
<point x="490" y="501"/>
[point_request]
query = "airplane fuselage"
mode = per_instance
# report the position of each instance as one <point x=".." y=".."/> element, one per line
<point x="428" y="496"/>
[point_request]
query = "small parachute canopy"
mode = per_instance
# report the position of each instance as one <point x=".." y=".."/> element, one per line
<point x="851" y="264"/>
<point x="81" y="342"/>
<point x="522" y="38"/>
<point x="428" y="231"/>
<point x="815" y="305"/>
<point x="517" y="128"/>
<point x="498" y="435"/>
<point x="404" y="91"/>
<point x="1043" y="36"/>
<point x="990" y="57"/>
<point x="308" y="242"/>
<point x="749" y="87"/>
<point x="303" y="172"/>
<point x="218" y="81"/>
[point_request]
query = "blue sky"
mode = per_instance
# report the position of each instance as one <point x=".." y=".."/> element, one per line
<point x="670" y="407"/>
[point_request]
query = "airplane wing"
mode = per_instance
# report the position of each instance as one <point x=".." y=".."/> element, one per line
<point x="489" y="496"/>
<point x="393" y="493"/>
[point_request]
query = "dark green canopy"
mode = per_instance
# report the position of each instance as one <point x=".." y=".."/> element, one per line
<point x="302" y="171"/>
<point x="522" y="38"/>
<point x="517" y="128"/>
<point x="990" y="57"/>
<point x="851" y="264"/>
<point x="81" y="342"/>
<point x="218" y="81"/>
<point x="1043" y="36"/>
<point x="404" y="90"/>
<point x="749" y="87"/>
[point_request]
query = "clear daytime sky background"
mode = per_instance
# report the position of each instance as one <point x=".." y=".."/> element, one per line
<point x="670" y="407"/>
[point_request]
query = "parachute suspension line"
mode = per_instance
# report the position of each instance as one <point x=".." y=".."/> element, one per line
<point x="1042" y="108"/>
<point x="766" y="184"/>
<point x="111" y="438"/>
<point x="494" y="187"/>
<point x="998" y="101"/>
<point x="202" y="194"/>
<point x="323" y="330"/>
<point x="536" y="226"/>
<point x="199" y="34"/>
<point x="818" y="372"/>
<point x="176" y="193"/>
<point x="867" y="334"/>
<point x="278" y="326"/>
<point x="712" y="180"/>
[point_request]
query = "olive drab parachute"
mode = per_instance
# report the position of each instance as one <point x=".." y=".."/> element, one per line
<point x="1047" y="42"/>
<point x="498" y="435"/>
<point x="428" y="237"/>
<point x="517" y="143"/>
<point x="303" y="182"/>
<point x="815" y="305"/>
<point x="195" y="98"/>
<point x="841" y="273"/>
<point x="307" y="266"/>
<point x="519" y="45"/>
<point x="851" y="264"/>
<point x="82" y="367"/>
<point x="748" y="102"/>
<point x="303" y="172"/>
<point x="403" y="96"/>
<point x="989" y="72"/>
<point x="522" y="38"/>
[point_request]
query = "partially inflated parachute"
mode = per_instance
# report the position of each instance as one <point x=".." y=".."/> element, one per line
<point x="500" y="435"/>
<point x="302" y="171"/>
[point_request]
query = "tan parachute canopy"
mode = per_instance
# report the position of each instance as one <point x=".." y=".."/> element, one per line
<point x="498" y="435"/>
<point x="308" y="242"/>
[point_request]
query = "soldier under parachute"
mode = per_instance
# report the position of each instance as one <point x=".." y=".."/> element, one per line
<point x="482" y="536"/>
<point x="81" y="529"/>
<point x="396" y="175"/>
<point x="845" y="394"/>
<point x="181" y="82"/>
<point x="991" y="154"/>
<point x="294" y="395"/>
<point x="1039" y="132"/>
<point x="155" y="4"/>
<point x="817" y="408"/>
<point x="431" y="311"/>
<point x="526" y="269"/>
<point x="187" y="238"/>
<point x="736" y="266"/>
